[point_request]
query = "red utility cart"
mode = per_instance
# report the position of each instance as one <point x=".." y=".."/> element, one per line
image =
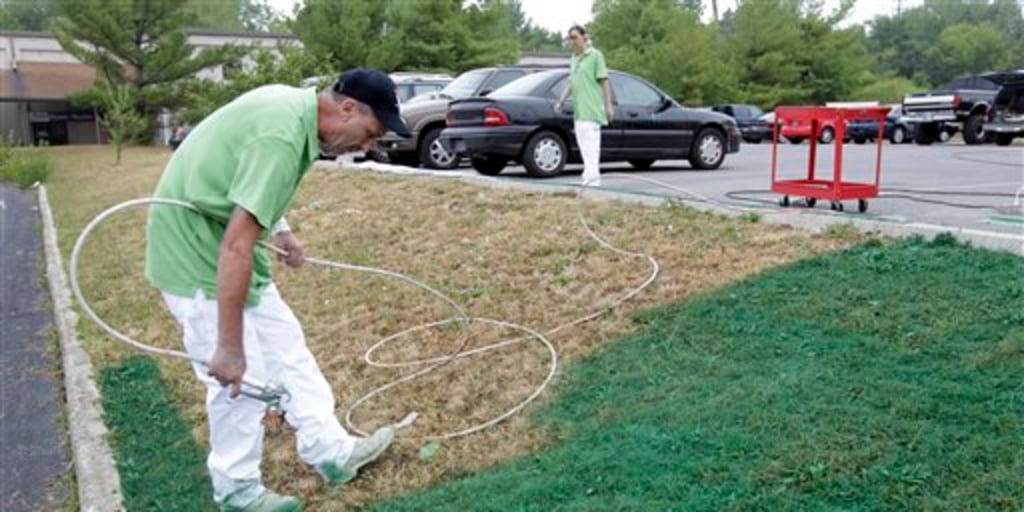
<point x="834" y="189"/>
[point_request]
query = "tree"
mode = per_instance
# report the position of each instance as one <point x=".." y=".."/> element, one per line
<point x="664" y="42"/>
<point x="27" y="14"/>
<point x="531" y="37"/>
<point x="967" y="49"/>
<point x="906" y="44"/>
<point x="139" y="44"/>
<point x="119" y="115"/>
<point x="337" y="32"/>
<point x="428" y="35"/>
<point x="216" y="14"/>
<point x="284" y="65"/>
<point x="258" y="16"/>
<point x="493" y="35"/>
<point x="791" y="51"/>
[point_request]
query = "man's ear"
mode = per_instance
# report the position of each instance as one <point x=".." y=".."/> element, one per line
<point x="346" y="107"/>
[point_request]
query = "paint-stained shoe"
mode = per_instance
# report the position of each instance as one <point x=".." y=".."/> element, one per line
<point x="268" y="502"/>
<point x="365" y="451"/>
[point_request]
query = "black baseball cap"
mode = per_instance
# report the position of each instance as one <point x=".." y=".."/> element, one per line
<point x="374" y="88"/>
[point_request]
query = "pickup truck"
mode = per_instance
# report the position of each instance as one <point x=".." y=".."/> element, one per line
<point x="1006" y="120"/>
<point x="963" y="105"/>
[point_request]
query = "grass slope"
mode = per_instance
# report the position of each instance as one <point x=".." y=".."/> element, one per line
<point x="879" y="378"/>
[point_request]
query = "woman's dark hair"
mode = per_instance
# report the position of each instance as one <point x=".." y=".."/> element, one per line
<point x="579" y="29"/>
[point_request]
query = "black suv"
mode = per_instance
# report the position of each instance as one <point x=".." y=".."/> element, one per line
<point x="1006" y="119"/>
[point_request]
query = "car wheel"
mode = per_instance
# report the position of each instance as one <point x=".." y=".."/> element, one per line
<point x="753" y="141"/>
<point x="945" y="135"/>
<point x="795" y="140"/>
<point x="860" y="140"/>
<point x="545" y="155"/>
<point x="433" y="154"/>
<point x="899" y="135"/>
<point x="708" y="150"/>
<point x="1004" y="139"/>
<point x="488" y="166"/>
<point x="974" y="130"/>
<point x="642" y="164"/>
<point x="828" y="134"/>
<point x="927" y="135"/>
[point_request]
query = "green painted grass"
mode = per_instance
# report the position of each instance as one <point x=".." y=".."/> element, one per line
<point x="161" y="466"/>
<point x="878" y="378"/>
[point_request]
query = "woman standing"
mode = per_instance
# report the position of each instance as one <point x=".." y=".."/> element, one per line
<point x="592" y="101"/>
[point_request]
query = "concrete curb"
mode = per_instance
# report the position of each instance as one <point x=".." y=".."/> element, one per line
<point x="99" y="485"/>
<point x="816" y="222"/>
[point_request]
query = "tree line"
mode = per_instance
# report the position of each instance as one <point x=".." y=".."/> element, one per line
<point x="766" y="52"/>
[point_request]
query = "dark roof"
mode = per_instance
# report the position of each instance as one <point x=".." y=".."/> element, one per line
<point x="45" y="81"/>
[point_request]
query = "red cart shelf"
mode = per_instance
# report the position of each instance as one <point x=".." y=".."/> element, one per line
<point x="835" y="189"/>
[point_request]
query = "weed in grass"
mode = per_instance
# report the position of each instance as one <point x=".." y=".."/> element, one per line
<point x="750" y="217"/>
<point x="845" y="231"/>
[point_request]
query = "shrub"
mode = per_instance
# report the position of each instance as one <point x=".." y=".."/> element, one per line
<point x="23" y="166"/>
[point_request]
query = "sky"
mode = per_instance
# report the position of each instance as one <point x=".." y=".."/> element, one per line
<point x="559" y="15"/>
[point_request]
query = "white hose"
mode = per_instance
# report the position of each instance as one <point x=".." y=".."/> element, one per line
<point x="267" y="392"/>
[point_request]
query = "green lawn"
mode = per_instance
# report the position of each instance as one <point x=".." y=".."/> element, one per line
<point x="878" y="378"/>
<point x="161" y="465"/>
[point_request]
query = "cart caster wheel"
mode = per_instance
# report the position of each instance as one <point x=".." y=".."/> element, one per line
<point x="837" y="206"/>
<point x="811" y="202"/>
<point x="862" y="205"/>
<point x="784" y="202"/>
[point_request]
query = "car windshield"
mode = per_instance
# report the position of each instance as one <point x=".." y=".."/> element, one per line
<point x="466" y="84"/>
<point x="522" y="86"/>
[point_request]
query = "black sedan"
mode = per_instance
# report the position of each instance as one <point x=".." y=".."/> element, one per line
<point x="518" y="123"/>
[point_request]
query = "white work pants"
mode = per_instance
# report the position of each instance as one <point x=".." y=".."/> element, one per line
<point x="588" y="138"/>
<point x="275" y="350"/>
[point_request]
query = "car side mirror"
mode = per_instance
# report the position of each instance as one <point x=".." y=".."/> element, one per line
<point x="665" y="105"/>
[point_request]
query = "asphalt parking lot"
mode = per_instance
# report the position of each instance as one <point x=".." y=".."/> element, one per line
<point x="954" y="185"/>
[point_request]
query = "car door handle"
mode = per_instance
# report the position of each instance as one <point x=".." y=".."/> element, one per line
<point x="633" y="114"/>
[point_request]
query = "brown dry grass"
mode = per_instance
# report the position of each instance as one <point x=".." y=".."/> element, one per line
<point x="503" y="254"/>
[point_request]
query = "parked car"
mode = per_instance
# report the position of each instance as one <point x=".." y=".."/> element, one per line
<point x="898" y="129"/>
<point x="748" y="118"/>
<point x="426" y="116"/>
<point x="518" y="123"/>
<point x="797" y="131"/>
<point x="963" y="104"/>
<point x="410" y="85"/>
<point x="1006" y="118"/>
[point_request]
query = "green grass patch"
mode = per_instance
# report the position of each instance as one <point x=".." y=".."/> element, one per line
<point x="884" y="377"/>
<point x="24" y="166"/>
<point x="161" y="466"/>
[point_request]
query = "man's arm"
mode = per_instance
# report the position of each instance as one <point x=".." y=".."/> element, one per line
<point x="609" y="100"/>
<point x="561" y="99"/>
<point x="234" y="273"/>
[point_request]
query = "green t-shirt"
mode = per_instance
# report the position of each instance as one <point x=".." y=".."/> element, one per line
<point x="251" y="153"/>
<point x="585" y="73"/>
